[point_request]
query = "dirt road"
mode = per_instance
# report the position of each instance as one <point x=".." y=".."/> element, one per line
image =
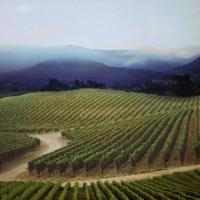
<point x="136" y="177"/>
<point x="13" y="168"/>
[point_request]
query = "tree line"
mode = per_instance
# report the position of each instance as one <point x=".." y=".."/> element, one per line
<point x="176" y="85"/>
<point x="57" y="85"/>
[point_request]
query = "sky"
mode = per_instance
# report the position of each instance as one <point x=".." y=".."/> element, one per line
<point x="155" y="25"/>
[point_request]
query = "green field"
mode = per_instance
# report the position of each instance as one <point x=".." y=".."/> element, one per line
<point x="179" y="186"/>
<point x="12" y="145"/>
<point x="108" y="129"/>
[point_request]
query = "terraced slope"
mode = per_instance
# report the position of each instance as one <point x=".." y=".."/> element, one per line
<point x="108" y="129"/>
<point x="169" y="187"/>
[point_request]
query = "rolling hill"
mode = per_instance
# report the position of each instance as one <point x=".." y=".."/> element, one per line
<point x="109" y="131"/>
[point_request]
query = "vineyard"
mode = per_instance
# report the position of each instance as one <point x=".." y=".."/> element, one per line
<point x="12" y="145"/>
<point x="178" y="186"/>
<point x="107" y="129"/>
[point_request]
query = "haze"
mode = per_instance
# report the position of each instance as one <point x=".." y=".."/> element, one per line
<point x="156" y="25"/>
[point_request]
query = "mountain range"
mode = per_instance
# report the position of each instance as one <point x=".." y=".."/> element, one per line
<point x="109" y="67"/>
<point x="191" y="68"/>
<point x="69" y="70"/>
<point x="25" y="57"/>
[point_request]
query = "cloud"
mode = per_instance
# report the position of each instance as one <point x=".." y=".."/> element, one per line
<point x="25" y="8"/>
<point x="155" y="50"/>
<point x="54" y="31"/>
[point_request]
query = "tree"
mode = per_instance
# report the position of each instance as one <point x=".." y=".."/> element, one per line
<point x="183" y="85"/>
<point x="55" y="85"/>
<point x="77" y="84"/>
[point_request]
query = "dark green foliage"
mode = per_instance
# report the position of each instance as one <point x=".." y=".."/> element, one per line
<point x="51" y="195"/>
<point x="106" y="191"/>
<point x="118" y="193"/>
<point x="63" y="195"/>
<point x="44" y="190"/>
<point x="130" y="194"/>
<point x="16" y="191"/>
<point x="55" y="85"/>
<point x="157" y="195"/>
<point x="86" y="191"/>
<point x="30" y="191"/>
<point x="96" y="191"/>
<point x="138" y="191"/>
<point x="171" y="140"/>
<point x="75" y="192"/>
<point x="196" y="135"/>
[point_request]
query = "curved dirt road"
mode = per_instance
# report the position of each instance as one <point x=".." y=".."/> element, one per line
<point x="13" y="168"/>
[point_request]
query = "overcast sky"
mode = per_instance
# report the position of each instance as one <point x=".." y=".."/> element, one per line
<point x="108" y="24"/>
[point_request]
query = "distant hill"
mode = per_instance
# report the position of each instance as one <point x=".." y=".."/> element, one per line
<point x="25" y="57"/>
<point x="69" y="70"/>
<point x="191" y="68"/>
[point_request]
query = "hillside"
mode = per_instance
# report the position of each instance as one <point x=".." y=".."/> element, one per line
<point x="191" y="68"/>
<point x="69" y="70"/>
<point x="108" y="130"/>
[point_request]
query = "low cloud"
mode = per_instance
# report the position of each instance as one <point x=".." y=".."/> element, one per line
<point x="153" y="50"/>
